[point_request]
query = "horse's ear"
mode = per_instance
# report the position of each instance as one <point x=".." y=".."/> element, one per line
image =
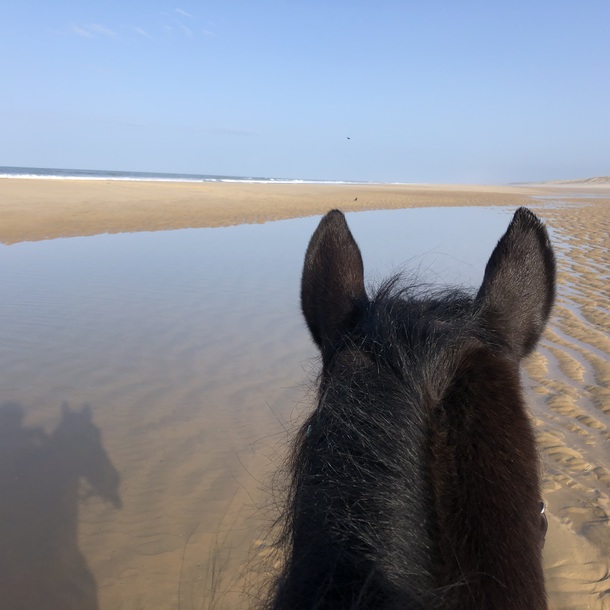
<point x="518" y="288"/>
<point x="332" y="284"/>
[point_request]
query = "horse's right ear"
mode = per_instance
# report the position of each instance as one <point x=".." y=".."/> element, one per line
<point x="518" y="288"/>
<point x="332" y="284"/>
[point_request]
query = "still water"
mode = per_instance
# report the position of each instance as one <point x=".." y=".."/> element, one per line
<point x="148" y="385"/>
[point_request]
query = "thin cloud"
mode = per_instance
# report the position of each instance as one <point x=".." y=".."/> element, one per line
<point x="186" y="31"/>
<point x="209" y="28"/>
<point x="93" y="29"/>
<point x="82" y="32"/>
<point x="141" y="32"/>
<point x="178" y="25"/>
<point x="230" y="131"/>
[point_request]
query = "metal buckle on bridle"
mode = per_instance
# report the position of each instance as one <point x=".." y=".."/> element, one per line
<point x="544" y="523"/>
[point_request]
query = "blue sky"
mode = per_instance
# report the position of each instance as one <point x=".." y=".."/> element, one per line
<point x="434" y="91"/>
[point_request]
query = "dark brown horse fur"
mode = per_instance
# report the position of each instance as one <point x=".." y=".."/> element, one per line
<point x="415" y="481"/>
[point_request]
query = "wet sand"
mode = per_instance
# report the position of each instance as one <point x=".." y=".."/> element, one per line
<point x="570" y="381"/>
<point x="196" y="428"/>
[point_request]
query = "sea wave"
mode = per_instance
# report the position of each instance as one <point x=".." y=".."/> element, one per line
<point x="31" y="173"/>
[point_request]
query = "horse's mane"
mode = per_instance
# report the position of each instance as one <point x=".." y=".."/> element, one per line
<point x="414" y="482"/>
<point x="372" y="427"/>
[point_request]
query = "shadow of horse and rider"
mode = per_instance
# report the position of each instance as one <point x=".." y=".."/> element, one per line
<point x="44" y="477"/>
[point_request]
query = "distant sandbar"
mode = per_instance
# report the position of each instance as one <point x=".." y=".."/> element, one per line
<point x="32" y="210"/>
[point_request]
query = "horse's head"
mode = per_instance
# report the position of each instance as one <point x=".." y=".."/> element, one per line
<point x="79" y="440"/>
<point x="418" y="469"/>
<point x="510" y="310"/>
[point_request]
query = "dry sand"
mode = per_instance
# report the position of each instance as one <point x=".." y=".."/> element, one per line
<point x="568" y="380"/>
<point x="32" y="209"/>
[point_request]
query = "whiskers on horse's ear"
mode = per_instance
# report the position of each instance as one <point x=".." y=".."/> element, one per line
<point x="415" y="480"/>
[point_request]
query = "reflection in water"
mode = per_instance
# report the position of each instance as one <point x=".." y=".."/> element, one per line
<point x="41" y="565"/>
<point x="192" y="345"/>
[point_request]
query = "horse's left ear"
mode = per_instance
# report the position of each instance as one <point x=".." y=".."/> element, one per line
<point x="518" y="288"/>
<point x="332" y="284"/>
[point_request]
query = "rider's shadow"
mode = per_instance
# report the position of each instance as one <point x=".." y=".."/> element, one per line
<point x="42" y="477"/>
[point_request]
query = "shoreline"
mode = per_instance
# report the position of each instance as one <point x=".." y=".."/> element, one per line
<point x="48" y="208"/>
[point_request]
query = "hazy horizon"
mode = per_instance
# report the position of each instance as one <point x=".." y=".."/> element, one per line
<point x="108" y="174"/>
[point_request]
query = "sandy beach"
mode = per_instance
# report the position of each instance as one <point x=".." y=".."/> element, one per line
<point x="47" y="208"/>
<point x="195" y="416"/>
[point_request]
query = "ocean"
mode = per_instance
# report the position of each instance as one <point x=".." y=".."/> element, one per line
<point x="96" y="174"/>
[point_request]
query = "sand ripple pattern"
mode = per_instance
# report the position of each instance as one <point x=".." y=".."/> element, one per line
<point x="570" y="381"/>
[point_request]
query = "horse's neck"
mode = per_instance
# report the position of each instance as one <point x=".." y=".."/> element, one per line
<point x="486" y="484"/>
